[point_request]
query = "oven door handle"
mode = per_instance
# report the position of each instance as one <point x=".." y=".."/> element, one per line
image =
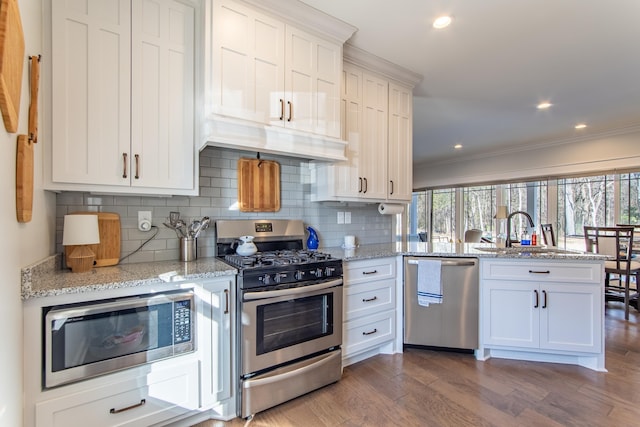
<point x="249" y="296"/>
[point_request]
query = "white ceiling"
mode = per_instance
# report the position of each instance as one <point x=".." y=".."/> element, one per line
<point x="485" y="74"/>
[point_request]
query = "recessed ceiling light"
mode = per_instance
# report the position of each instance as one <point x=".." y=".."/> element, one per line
<point x="442" y="22"/>
<point x="544" y="105"/>
<point x="581" y="126"/>
<point x="458" y="146"/>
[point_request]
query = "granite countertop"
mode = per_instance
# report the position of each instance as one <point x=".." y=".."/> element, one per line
<point x="47" y="277"/>
<point x="469" y="250"/>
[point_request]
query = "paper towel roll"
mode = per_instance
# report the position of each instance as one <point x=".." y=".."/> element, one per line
<point x="387" y="209"/>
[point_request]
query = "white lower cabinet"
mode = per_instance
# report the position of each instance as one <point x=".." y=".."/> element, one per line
<point x="547" y="310"/>
<point x="369" y="308"/>
<point x="160" y="395"/>
<point x="215" y="333"/>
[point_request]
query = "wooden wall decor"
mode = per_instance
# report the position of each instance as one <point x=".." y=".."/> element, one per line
<point x="11" y="63"/>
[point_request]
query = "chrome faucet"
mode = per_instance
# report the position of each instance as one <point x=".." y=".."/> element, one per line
<point x="509" y="243"/>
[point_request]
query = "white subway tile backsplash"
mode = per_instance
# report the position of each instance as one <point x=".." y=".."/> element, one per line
<point x="218" y="200"/>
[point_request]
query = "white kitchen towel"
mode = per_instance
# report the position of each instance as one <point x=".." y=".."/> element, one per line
<point x="429" y="282"/>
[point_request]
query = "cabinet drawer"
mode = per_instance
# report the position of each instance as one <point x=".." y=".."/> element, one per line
<point x="368" y="270"/>
<point x="560" y="271"/>
<point x="365" y="298"/>
<point x="367" y="332"/>
<point x="158" y="396"/>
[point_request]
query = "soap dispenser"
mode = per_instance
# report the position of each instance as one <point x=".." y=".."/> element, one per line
<point x="312" y="241"/>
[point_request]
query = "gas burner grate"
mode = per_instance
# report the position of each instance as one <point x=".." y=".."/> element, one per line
<point x="276" y="258"/>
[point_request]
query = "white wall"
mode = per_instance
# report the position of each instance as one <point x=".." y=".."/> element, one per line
<point x="25" y="243"/>
<point x="615" y="150"/>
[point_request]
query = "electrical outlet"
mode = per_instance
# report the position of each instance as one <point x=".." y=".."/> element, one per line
<point x="340" y="217"/>
<point x="347" y="217"/>
<point x="144" y="220"/>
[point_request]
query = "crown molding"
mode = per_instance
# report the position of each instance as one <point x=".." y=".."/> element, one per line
<point x="362" y="58"/>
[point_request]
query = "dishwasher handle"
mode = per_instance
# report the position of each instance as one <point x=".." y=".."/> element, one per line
<point x="448" y="263"/>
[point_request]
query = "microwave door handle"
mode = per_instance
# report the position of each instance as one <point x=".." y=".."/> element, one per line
<point x="249" y="296"/>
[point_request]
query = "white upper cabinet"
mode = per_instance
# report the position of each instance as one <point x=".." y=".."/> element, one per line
<point x="123" y="89"/>
<point x="272" y="86"/>
<point x="377" y="123"/>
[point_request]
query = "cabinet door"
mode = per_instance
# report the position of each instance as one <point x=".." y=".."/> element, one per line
<point x="247" y="64"/>
<point x="91" y="55"/>
<point x="373" y="162"/>
<point x="511" y="314"/>
<point x="400" y="148"/>
<point x="215" y="326"/>
<point x="162" y="131"/>
<point x="571" y="317"/>
<point x="312" y="83"/>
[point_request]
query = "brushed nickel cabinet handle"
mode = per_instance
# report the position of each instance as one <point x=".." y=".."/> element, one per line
<point x="370" y="272"/>
<point x="544" y="299"/>
<point x="369" y="299"/>
<point x="226" y="301"/>
<point x="124" y="165"/>
<point x="537" y="299"/>
<point x="137" y="175"/>
<point x="371" y="332"/>
<point x="281" y="109"/>
<point x="137" y="405"/>
<point x="290" y="104"/>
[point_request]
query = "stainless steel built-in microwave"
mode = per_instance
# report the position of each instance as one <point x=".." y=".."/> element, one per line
<point x="85" y="340"/>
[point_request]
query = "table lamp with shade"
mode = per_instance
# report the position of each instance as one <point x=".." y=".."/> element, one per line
<point x="80" y="231"/>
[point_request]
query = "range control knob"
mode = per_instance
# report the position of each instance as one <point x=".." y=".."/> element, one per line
<point x="278" y="277"/>
<point x="299" y="275"/>
<point x="329" y="271"/>
<point x="266" y="279"/>
<point x="317" y="272"/>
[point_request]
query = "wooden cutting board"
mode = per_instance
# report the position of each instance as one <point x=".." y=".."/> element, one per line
<point x="11" y="63"/>
<point x="258" y="185"/>
<point x="24" y="179"/>
<point x="108" y="250"/>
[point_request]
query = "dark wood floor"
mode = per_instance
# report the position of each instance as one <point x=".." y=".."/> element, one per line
<point x="427" y="388"/>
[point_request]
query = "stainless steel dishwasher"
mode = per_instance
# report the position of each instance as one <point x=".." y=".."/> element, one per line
<point x="453" y="324"/>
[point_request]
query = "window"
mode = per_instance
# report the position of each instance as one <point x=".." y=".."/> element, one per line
<point x="479" y="209"/>
<point x="443" y="215"/>
<point x="529" y="197"/>
<point x="630" y="198"/>
<point x="584" y="201"/>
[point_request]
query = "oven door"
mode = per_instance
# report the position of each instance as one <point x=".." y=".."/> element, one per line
<point x="284" y="325"/>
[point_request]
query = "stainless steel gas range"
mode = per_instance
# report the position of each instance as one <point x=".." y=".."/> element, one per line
<point x="289" y="321"/>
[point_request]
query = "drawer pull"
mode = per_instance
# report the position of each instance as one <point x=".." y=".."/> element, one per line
<point x="539" y="272"/>
<point x="370" y="333"/>
<point x="369" y="299"/>
<point x="370" y="272"/>
<point x="117" y="411"/>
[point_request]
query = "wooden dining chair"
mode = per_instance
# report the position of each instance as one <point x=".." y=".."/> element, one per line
<point x="548" y="237"/>
<point x="616" y="242"/>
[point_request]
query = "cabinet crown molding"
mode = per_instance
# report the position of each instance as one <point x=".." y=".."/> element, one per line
<point x="362" y="58"/>
<point x="305" y="16"/>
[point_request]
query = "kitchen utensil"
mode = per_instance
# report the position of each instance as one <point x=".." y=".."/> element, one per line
<point x="107" y="252"/>
<point x="193" y="227"/>
<point x="174" y="217"/>
<point x="24" y="179"/>
<point x="258" y="185"/>
<point x="245" y="246"/>
<point x="173" y="227"/>
<point x="11" y="63"/>
<point x="204" y="224"/>
<point x="33" y="101"/>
